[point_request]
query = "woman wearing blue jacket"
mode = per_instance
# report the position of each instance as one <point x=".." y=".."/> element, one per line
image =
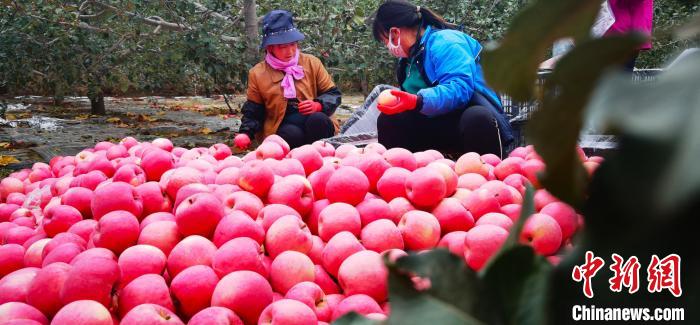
<point x="444" y="102"/>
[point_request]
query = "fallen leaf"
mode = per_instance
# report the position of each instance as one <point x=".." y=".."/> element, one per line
<point x="147" y="118"/>
<point x="114" y="120"/>
<point x="206" y="131"/>
<point x="82" y="117"/>
<point x="6" y="160"/>
<point x="10" y="117"/>
<point x="5" y="145"/>
<point x="122" y="125"/>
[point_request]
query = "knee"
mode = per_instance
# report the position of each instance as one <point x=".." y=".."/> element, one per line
<point x="477" y="117"/>
<point x="318" y="119"/>
<point x="293" y="134"/>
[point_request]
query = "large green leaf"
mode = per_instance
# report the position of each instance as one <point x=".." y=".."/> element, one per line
<point x="517" y="283"/>
<point x="447" y="301"/>
<point x="512" y="67"/>
<point x="555" y="127"/>
<point x="667" y="111"/>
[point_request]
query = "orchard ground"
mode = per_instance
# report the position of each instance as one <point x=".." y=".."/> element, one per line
<point x="36" y="130"/>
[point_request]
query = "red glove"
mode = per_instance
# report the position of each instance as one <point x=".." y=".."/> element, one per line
<point x="309" y="106"/>
<point x="242" y="141"/>
<point x="406" y="102"/>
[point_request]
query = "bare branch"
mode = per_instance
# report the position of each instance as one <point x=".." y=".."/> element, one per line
<point x="153" y="21"/>
<point x="213" y="13"/>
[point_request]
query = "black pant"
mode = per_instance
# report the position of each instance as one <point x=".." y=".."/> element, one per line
<point x="299" y="130"/>
<point x="463" y="130"/>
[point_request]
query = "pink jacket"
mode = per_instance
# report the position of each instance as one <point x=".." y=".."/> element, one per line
<point x="633" y="15"/>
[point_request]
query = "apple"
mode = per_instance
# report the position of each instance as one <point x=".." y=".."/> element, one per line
<point x="482" y="242"/>
<point x="15" y="286"/>
<point x="116" y="196"/>
<point x="290" y="268"/>
<point x="386" y="98"/>
<point x="294" y="191"/>
<point x="471" y="162"/>
<point x="79" y="198"/>
<point x="348" y="185"/>
<point x="163" y="235"/>
<point x="400" y="157"/>
<point x="338" y="248"/>
<point x="392" y="183"/>
<point x="287" y="311"/>
<point x="11" y="258"/>
<point x="420" y="230"/>
<point x="454" y="242"/>
<point x="91" y="279"/>
<point x="145" y="289"/>
<point x="150" y="314"/>
<point x="287" y="233"/>
<point x="138" y="260"/>
<point x="359" y="303"/>
<point x="59" y="219"/>
<point x="256" y="177"/>
<point x="425" y="187"/>
<point x="192" y="289"/>
<point x="239" y="254"/>
<point x="215" y="316"/>
<point x="83" y="312"/>
<point x="496" y="219"/>
<point x="193" y="250"/>
<point x="338" y="217"/>
<point x="154" y="198"/>
<point x="246" y="293"/>
<point x="452" y="216"/>
<point x="543" y="233"/>
<point x="237" y="224"/>
<point x="116" y="231"/>
<point x="381" y="235"/>
<point x="364" y="273"/>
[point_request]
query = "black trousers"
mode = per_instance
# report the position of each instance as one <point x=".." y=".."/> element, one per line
<point x="473" y="128"/>
<point x="299" y="130"/>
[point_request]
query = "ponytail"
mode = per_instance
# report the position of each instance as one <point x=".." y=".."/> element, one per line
<point x="401" y="13"/>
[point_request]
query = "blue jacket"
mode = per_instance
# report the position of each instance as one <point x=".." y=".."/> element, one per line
<point x="451" y="65"/>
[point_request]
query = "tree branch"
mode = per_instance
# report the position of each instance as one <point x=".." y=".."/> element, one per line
<point x="213" y="13"/>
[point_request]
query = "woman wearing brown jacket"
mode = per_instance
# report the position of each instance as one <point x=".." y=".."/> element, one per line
<point x="289" y="93"/>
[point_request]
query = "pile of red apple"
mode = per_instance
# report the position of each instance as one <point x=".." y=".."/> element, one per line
<point x="149" y="233"/>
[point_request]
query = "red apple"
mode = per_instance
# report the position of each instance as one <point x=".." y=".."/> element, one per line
<point x="482" y="242"/>
<point x="338" y="248"/>
<point x="543" y="233"/>
<point x="193" y="250"/>
<point x="471" y="162"/>
<point x="199" y="214"/>
<point x="420" y="230"/>
<point x="454" y="242"/>
<point x="138" y="260"/>
<point x="151" y="314"/>
<point x="59" y="219"/>
<point x="83" y="312"/>
<point x="290" y="268"/>
<point x="15" y="286"/>
<point x="452" y="216"/>
<point x="193" y="288"/>
<point x="360" y="303"/>
<point x="348" y="185"/>
<point x="161" y="234"/>
<point x="146" y="289"/>
<point x="364" y="273"/>
<point x="381" y="235"/>
<point x="116" y="196"/>
<point x="425" y="187"/>
<point x="496" y="219"/>
<point x="244" y="292"/>
<point x="287" y="311"/>
<point x="11" y="258"/>
<point x="287" y="233"/>
<point x="116" y="231"/>
<point x="294" y="191"/>
<point x="239" y="254"/>
<point x="238" y="224"/>
<point x="338" y="217"/>
<point x="392" y="183"/>
<point x="256" y="177"/>
<point x="215" y="316"/>
<point x="91" y="279"/>
<point x="399" y="157"/>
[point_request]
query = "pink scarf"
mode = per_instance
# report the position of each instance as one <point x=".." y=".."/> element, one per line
<point x="292" y="70"/>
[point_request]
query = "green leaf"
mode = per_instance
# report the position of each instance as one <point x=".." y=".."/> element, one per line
<point x="512" y="67"/>
<point x="666" y="111"/>
<point x="554" y="129"/>
<point x="518" y="283"/>
<point x="354" y="318"/>
<point x="441" y="303"/>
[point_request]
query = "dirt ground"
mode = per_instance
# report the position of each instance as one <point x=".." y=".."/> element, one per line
<point x="33" y="129"/>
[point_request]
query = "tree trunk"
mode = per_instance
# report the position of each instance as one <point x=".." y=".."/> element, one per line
<point x="97" y="105"/>
<point x="250" y="16"/>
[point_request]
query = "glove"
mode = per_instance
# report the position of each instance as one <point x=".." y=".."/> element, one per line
<point x="241" y="141"/>
<point x="309" y="107"/>
<point x="406" y="102"/>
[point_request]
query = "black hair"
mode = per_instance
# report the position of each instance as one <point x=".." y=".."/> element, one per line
<point x="401" y="13"/>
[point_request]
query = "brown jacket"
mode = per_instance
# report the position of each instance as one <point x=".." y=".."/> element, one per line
<point x="264" y="88"/>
